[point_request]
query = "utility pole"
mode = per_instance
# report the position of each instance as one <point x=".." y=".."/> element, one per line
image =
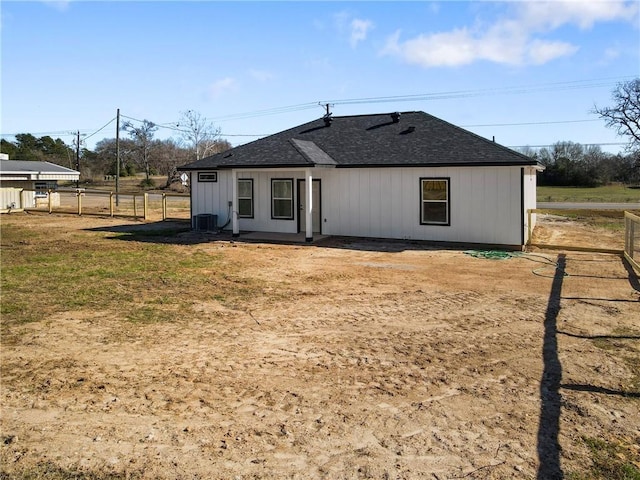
<point x="118" y="158"/>
<point x="78" y="158"/>
<point x="327" y="106"/>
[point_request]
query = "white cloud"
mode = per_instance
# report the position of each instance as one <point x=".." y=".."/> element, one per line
<point x="261" y="75"/>
<point x="356" y="28"/>
<point x="221" y="86"/>
<point x="463" y="47"/>
<point x="60" y="5"/>
<point x="359" y="30"/>
<point x="540" y="52"/>
<point x="611" y="54"/>
<point x="512" y="40"/>
<point x="582" y="13"/>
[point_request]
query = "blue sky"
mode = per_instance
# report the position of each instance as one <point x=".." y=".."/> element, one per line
<point x="255" y="68"/>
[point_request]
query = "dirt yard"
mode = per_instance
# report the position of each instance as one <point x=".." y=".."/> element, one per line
<point x="356" y="359"/>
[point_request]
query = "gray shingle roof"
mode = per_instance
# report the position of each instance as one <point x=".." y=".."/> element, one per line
<point x="416" y="139"/>
<point x="24" y="166"/>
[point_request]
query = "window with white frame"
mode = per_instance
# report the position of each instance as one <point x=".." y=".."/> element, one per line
<point x="245" y="197"/>
<point x="42" y="188"/>
<point x="282" y="198"/>
<point x="435" y="204"/>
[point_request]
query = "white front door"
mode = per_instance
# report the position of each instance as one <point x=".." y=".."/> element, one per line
<point x="302" y="218"/>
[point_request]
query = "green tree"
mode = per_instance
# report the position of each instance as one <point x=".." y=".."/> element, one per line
<point x="9" y="148"/>
<point x="106" y="156"/>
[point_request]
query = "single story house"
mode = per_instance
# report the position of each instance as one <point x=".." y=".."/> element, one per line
<point x="23" y="182"/>
<point x="404" y="175"/>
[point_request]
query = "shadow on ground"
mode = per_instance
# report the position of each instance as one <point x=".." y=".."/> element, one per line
<point x="180" y="233"/>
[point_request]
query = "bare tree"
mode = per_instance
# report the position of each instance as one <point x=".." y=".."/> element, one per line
<point x="169" y="154"/>
<point x="624" y="115"/>
<point x="199" y="134"/>
<point x="143" y="138"/>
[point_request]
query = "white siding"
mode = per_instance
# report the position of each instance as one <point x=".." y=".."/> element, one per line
<point x="213" y="197"/>
<point x="385" y="202"/>
<point x="12" y="198"/>
<point x="485" y="202"/>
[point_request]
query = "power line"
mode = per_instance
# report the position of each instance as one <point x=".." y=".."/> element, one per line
<point x="567" y="85"/>
<point x="159" y="125"/>
<point x="532" y="88"/>
<point x="101" y="128"/>
<point x="529" y="123"/>
<point x="601" y="144"/>
<point x="60" y="133"/>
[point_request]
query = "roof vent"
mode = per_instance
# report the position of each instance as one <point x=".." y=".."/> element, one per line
<point x="409" y="129"/>
<point x="327" y="120"/>
<point x="395" y="116"/>
<point x="227" y="155"/>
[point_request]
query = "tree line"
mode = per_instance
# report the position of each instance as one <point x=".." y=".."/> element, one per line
<point x="565" y="163"/>
<point x="570" y="164"/>
<point x="140" y="152"/>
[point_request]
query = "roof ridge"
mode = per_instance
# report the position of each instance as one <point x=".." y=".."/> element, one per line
<point x="376" y="114"/>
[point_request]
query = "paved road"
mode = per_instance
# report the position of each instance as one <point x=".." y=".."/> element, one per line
<point x="588" y="205"/>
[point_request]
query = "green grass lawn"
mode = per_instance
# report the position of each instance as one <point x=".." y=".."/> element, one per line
<point x="609" y="193"/>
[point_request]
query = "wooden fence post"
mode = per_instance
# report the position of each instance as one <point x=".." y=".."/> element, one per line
<point x="79" y="202"/>
<point x="111" y="203"/>
<point x="146" y="205"/>
<point x="50" y="202"/>
<point x="164" y="206"/>
<point x="135" y="212"/>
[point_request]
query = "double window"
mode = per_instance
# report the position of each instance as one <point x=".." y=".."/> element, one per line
<point x="245" y="197"/>
<point x="282" y="198"/>
<point x="434" y="201"/>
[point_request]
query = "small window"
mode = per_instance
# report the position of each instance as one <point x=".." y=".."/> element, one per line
<point x="282" y="198"/>
<point x="42" y="188"/>
<point x="434" y="201"/>
<point x="207" y="176"/>
<point x="245" y="197"/>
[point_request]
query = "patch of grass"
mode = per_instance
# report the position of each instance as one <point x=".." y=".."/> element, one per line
<point x="610" y="460"/>
<point x="607" y="193"/>
<point x="151" y="314"/>
<point x="139" y="281"/>
<point x="49" y="471"/>
<point x="607" y="219"/>
<point x="623" y="344"/>
<point x="155" y="233"/>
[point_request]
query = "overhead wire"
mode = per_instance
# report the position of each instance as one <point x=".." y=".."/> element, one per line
<point x="566" y="85"/>
<point x="101" y="128"/>
<point x="553" y="122"/>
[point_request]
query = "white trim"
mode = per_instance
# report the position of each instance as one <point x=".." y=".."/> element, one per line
<point x="308" y="211"/>
<point x="234" y="202"/>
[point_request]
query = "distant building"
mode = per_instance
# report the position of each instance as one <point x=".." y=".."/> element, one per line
<point x="24" y="183"/>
